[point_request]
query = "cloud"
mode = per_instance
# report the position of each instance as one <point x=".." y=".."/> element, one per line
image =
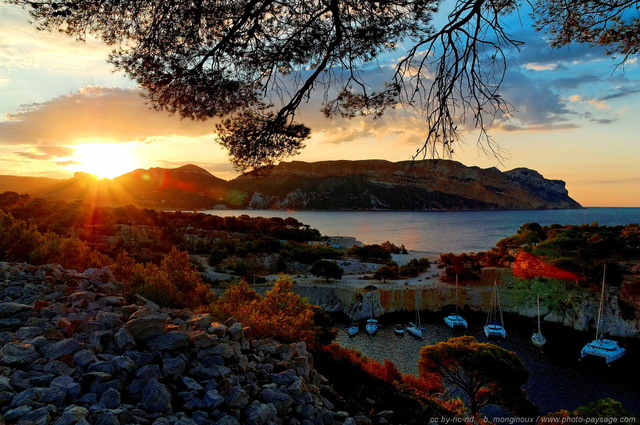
<point x="22" y="46"/>
<point x="93" y="114"/>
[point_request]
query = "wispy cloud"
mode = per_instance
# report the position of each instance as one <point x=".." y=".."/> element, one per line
<point x="93" y="113"/>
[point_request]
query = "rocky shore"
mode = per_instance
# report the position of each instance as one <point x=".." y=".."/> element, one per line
<point x="77" y="350"/>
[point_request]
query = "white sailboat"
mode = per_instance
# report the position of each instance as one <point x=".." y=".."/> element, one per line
<point x="495" y="327"/>
<point x="455" y="319"/>
<point x="415" y="329"/>
<point x="537" y="338"/>
<point x="600" y="347"/>
<point x="372" y="324"/>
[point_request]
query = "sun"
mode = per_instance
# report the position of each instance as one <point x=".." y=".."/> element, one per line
<point x="105" y="160"/>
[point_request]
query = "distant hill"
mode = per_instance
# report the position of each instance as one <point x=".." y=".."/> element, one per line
<point x="407" y="185"/>
<point x="327" y="185"/>
<point x="30" y="185"/>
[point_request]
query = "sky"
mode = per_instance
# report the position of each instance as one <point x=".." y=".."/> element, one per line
<point x="63" y="109"/>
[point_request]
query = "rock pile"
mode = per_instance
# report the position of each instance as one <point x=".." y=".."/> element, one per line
<point x="76" y="350"/>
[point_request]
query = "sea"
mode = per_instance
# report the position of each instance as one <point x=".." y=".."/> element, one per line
<point x="557" y="379"/>
<point x="435" y="232"/>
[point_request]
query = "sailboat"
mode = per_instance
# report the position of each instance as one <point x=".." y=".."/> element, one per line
<point x="454" y="319"/>
<point x="372" y="324"/>
<point x="415" y="329"/>
<point x="494" y="327"/>
<point x="600" y="347"/>
<point x="537" y="338"/>
<point x="353" y="328"/>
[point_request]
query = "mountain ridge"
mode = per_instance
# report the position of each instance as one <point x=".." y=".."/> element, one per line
<point x="326" y="185"/>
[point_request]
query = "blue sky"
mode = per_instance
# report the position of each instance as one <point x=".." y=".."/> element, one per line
<point x="576" y="117"/>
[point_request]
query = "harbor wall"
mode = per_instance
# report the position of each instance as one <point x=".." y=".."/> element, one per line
<point x="575" y="307"/>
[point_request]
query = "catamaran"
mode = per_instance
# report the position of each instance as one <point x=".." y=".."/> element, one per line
<point x="494" y="327"/>
<point x="537" y="338"/>
<point x="600" y="347"/>
<point x="454" y="319"/>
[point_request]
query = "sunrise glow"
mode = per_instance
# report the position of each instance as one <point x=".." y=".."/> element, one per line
<point x="105" y="160"/>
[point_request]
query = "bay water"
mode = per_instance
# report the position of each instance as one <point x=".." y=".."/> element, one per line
<point x="558" y="380"/>
<point x="434" y="232"/>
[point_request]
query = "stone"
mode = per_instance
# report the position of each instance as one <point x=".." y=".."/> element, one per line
<point x="190" y="383"/>
<point x="81" y="299"/>
<point x="110" y="399"/>
<point x="124" y="340"/>
<point x="10" y="309"/>
<point x="218" y="329"/>
<point x="280" y="400"/>
<point x="213" y="399"/>
<point x="37" y="417"/>
<point x="28" y="332"/>
<point x="285" y="378"/>
<point x="156" y="398"/>
<point x="224" y="350"/>
<point x="106" y="418"/>
<point x="259" y="413"/>
<point x="17" y="413"/>
<point x="18" y="353"/>
<point x="62" y="348"/>
<point x="173" y="366"/>
<point x="71" y="415"/>
<point x="235" y="331"/>
<point x="169" y="341"/>
<point x="84" y="357"/>
<point x="227" y="420"/>
<point x="237" y="397"/>
<point x="149" y="371"/>
<point x="144" y="328"/>
<point x="202" y="320"/>
<point x="68" y="385"/>
<point x="101" y="275"/>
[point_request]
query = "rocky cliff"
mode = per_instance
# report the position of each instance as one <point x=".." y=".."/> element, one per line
<point x="76" y="350"/>
<point x="327" y="185"/>
<point x="408" y="185"/>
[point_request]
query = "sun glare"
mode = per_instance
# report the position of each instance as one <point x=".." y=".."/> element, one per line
<point x="105" y="160"/>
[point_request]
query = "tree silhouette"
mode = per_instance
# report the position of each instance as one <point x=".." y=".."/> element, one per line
<point x="486" y="373"/>
<point x="256" y="61"/>
<point x="326" y="269"/>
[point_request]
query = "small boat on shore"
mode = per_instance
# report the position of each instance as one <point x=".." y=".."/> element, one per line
<point x="399" y="330"/>
<point x="371" y="327"/>
<point x="454" y="320"/>
<point x="601" y="347"/>
<point x="494" y="326"/>
<point x="353" y="329"/>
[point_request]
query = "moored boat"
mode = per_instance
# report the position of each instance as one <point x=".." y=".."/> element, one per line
<point x="454" y="320"/>
<point x="537" y="338"/>
<point x="495" y="322"/>
<point x="353" y="329"/>
<point x="371" y="327"/>
<point x="399" y="330"/>
<point x="601" y="347"/>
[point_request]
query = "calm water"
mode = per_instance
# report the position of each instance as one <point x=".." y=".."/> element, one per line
<point x="558" y="380"/>
<point x="436" y="232"/>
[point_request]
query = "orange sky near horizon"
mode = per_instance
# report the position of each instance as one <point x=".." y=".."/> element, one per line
<point x="64" y="110"/>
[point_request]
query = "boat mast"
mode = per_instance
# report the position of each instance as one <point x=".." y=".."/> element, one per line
<point x="539" y="327"/>
<point x="456" y="294"/>
<point x="499" y="307"/>
<point x="601" y="308"/>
